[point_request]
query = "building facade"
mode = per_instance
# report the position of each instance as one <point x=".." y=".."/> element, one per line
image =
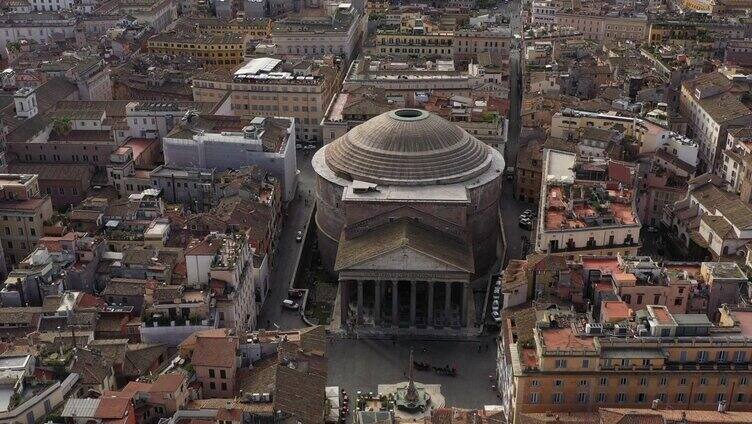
<point x="268" y="87"/>
<point x="268" y="143"/>
<point x="670" y="361"/>
<point x="587" y="206"/>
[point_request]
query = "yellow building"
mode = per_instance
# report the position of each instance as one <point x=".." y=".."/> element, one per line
<point x="23" y="211"/>
<point x="604" y="28"/>
<point x="395" y="43"/>
<point x="554" y="362"/>
<point x="214" y="49"/>
<point x="697" y="5"/>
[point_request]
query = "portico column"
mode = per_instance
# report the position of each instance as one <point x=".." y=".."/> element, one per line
<point x="360" y="302"/>
<point x="430" y="302"/>
<point x="447" y="302"/>
<point x="377" y="302"/>
<point x="344" y="302"/>
<point x="463" y="307"/>
<point x="395" y="303"/>
<point x="413" y="290"/>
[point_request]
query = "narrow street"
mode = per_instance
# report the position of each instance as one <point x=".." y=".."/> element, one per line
<point x="512" y="207"/>
<point x="515" y="95"/>
<point x="510" y="213"/>
<point x="515" y="82"/>
<point x="273" y="316"/>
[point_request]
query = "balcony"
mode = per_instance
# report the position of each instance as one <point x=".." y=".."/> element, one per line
<point x="591" y="246"/>
<point x="706" y="366"/>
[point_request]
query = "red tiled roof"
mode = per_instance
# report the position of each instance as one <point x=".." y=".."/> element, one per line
<point x="662" y="316"/>
<point x="214" y="352"/>
<point x="621" y="172"/>
<point x="203" y="248"/>
<point x="112" y="407"/>
<point x="615" y="310"/>
<point x="136" y="386"/>
<point x="565" y="339"/>
<point x="90" y="301"/>
<point x="605" y="265"/>
<point x="631" y="415"/>
<point x="138" y="145"/>
<point x="745" y="322"/>
<point x="168" y="383"/>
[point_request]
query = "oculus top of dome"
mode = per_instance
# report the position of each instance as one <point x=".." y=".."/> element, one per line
<point x="408" y="147"/>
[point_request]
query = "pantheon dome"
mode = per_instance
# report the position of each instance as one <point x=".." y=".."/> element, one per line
<point x="408" y="147"/>
<point x="410" y="201"/>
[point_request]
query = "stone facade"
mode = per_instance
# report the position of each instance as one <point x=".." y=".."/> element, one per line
<point x="406" y="251"/>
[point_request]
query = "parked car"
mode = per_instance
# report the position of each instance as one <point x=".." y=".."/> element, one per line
<point x="497" y="290"/>
<point x="299" y="236"/>
<point x="295" y="294"/>
<point x="289" y="304"/>
<point x="526" y="223"/>
<point x="496" y="316"/>
<point x="310" y="147"/>
<point x="495" y="305"/>
<point x="652" y="229"/>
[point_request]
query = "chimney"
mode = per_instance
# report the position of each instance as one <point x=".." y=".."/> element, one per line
<point x="722" y="406"/>
<point x="25" y="100"/>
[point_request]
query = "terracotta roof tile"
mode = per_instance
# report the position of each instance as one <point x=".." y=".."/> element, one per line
<point x="215" y="352"/>
<point x="168" y="383"/>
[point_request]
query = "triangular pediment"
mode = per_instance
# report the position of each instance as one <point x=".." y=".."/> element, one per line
<point x="404" y="258"/>
<point x="404" y="245"/>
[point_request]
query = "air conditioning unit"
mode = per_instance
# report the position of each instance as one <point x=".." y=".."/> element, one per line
<point x="593" y="329"/>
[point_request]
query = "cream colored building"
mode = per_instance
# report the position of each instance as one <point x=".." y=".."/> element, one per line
<point x="404" y="81"/>
<point x="335" y="32"/>
<point x="605" y="28"/>
<point x="713" y="103"/>
<point x="268" y="87"/>
<point x="399" y="44"/>
<point x="470" y="42"/>
<point x="649" y="136"/>
<point x="587" y="207"/>
<point x="543" y="12"/>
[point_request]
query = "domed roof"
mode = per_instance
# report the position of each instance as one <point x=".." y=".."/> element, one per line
<point x="408" y="147"/>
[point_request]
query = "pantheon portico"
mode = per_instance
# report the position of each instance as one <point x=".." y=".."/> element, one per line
<point x="407" y="216"/>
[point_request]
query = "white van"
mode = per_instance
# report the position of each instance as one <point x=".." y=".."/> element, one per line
<point x="289" y="304"/>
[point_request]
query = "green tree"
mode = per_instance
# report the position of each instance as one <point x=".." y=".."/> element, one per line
<point x="62" y="125"/>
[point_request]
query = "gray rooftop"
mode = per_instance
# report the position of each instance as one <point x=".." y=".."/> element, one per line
<point x="80" y="408"/>
<point x="692" y="320"/>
